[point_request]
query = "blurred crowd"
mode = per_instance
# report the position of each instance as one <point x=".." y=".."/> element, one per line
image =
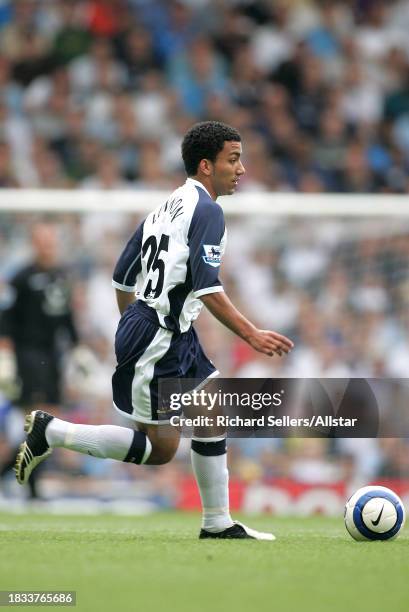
<point x="98" y="94"/>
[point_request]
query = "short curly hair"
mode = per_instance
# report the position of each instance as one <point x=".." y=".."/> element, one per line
<point x="204" y="141"/>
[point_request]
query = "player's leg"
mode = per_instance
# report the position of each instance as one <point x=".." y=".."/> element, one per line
<point x="141" y="445"/>
<point x="139" y="346"/>
<point x="164" y="441"/>
<point x="45" y="432"/>
<point x="209" y="464"/>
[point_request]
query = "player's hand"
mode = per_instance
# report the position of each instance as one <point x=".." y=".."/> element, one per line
<point x="270" y="342"/>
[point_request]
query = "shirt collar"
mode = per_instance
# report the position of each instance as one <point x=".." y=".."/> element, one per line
<point x="198" y="184"/>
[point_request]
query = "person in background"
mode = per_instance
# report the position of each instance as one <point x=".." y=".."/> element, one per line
<point x="37" y="327"/>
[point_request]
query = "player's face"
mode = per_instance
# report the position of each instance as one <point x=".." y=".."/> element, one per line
<point x="227" y="169"/>
<point x="45" y="244"/>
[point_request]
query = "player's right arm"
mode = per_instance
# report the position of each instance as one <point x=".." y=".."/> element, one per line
<point x="263" y="341"/>
<point x="124" y="299"/>
<point x="128" y="267"/>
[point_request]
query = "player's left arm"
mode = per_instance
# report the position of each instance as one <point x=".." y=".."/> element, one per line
<point x="206" y="244"/>
<point x="262" y="340"/>
<point x="128" y="267"/>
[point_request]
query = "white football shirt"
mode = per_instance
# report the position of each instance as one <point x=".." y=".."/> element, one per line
<point x="174" y="256"/>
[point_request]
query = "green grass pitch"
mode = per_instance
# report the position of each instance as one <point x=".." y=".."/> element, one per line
<point x="156" y="562"/>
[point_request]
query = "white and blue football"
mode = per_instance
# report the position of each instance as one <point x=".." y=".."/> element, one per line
<point x="374" y="513"/>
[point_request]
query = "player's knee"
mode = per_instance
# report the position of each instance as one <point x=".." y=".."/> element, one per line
<point x="163" y="453"/>
<point x="164" y="440"/>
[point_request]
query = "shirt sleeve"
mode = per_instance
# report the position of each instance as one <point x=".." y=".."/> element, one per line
<point x="205" y="238"/>
<point x="129" y="264"/>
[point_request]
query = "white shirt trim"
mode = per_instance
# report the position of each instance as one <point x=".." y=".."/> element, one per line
<point x="200" y="292"/>
<point x="123" y="287"/>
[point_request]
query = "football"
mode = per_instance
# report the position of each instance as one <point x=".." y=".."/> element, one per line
<point x="374" y="513"/>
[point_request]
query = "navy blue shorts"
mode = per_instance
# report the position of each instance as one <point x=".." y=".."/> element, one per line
<point x="146" y="352"/>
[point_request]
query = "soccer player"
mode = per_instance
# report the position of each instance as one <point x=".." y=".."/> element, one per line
<point x="171" y="263"/>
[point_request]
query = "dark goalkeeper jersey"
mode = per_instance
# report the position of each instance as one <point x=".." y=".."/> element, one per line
<point x="38" y="311"/>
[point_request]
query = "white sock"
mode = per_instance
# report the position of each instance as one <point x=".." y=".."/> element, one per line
<point x="212" y="477"/>
<point x="104" y="441"/>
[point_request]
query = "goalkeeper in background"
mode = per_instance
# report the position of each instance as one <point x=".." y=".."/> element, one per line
<point x="36" y="325"/>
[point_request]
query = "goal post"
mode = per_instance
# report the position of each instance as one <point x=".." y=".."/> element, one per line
<point x="243" y="204"/>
